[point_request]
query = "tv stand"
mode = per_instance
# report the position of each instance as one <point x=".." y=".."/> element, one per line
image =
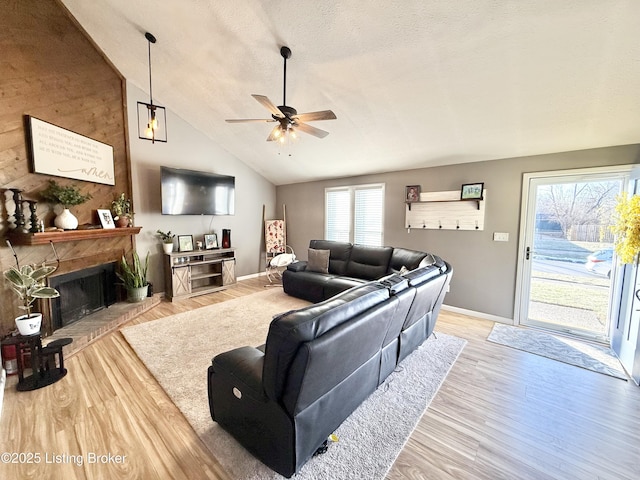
<point x="188" y="274"/>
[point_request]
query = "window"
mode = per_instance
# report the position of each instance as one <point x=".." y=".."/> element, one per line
<point x="355" y="214"/>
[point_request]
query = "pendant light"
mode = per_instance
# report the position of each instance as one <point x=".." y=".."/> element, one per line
<point x="152" y="119"/>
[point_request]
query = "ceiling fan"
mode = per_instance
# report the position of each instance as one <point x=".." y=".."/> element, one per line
<point x="289" y="120"/>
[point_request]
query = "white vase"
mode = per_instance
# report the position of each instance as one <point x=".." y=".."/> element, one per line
<point x="66" y="220"/>
<point x="167" y="247"/>
<point x="29" y="325"/>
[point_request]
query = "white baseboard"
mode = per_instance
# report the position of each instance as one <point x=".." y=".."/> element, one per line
<point x="252" y="275"/>
<point x="482" y="315"/>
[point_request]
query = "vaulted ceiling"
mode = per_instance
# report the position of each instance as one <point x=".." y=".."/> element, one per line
<point x="414" y="83"/>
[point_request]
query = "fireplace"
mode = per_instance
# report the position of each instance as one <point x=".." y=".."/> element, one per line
<point x="82" y="293"/>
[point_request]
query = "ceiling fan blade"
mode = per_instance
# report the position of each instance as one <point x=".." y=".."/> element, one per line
<point x="247" y="120"/>
<point x="275" y="134"/>
<point x="268" y="104"/>
<point x="315" y="116"/>
<point x="316" y="132"/>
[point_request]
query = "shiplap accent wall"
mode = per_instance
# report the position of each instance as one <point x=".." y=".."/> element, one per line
<point x="52" y="71"/>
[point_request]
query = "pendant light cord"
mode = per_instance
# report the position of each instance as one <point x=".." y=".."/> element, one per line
<point x="150" y="88"/>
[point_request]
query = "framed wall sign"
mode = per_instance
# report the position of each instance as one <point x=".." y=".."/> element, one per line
<point x="185" y="243"/>
<point x="63" y="153"/>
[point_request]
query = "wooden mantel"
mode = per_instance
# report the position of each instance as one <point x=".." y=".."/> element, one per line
<point x="43" y="238"/>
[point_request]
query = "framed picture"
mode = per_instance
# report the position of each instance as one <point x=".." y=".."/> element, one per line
<point x="57" y="151"/>
<point x="472" y="191"/>
<point x="185" y="243"/>
<point x="412" y="193"/>
<point x="105" y="218"/>
<point x="210" y="241"/>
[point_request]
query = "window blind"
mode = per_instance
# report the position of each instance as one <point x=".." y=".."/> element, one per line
<point x="368" y="207"/>
<point x="355" y="214"/>
<point x="338" y="215"/>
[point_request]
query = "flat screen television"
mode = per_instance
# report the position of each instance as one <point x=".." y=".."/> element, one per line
<point x="188" y="192"/>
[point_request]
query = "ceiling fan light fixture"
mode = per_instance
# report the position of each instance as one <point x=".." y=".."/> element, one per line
<point x="289" y="121"/>
<point x="152" y="119"/>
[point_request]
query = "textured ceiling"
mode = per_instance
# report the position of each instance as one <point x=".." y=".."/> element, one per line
<point x="413" y="83"/>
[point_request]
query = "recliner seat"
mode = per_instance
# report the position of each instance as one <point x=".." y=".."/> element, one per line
<point x="318" y="364"/>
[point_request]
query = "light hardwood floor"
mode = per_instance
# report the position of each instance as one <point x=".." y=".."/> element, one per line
<point x="500" y="413"/>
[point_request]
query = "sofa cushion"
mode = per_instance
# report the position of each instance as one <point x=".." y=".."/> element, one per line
<point x="289" y="330"/>
<point x="297" y="266"/>
<point x="339" y="256"/>
<point x="402" y="257"/>
<point x="318" y="261"/>
<point x="369" y="263"/>
<point x="337" y="284"/>
<point x="304" y="284"/>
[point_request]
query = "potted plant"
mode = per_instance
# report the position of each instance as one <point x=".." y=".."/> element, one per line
<point x="122" y="212"/>
<point x="167" y="240"/>
<point x="28" y="282"/>
<point x="134" y="277"/>
<point x="67" y="196"/>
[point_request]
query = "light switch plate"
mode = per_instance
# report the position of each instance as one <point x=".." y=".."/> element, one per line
<point x="500" y="237"/>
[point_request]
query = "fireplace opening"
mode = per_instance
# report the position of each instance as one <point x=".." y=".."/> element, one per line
<point x="82" y="293"/>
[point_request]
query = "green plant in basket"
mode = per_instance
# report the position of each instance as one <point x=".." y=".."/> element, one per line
<point x="133" y="275"/>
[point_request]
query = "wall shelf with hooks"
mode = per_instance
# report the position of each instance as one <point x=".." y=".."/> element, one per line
<point x="445" y="211"/>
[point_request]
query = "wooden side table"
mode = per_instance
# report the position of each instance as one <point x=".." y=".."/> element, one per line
<point x="45" y="370"/>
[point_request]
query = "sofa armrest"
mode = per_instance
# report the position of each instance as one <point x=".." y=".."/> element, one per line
<point x="244" y="365"/>
<point x="299" y="266"/>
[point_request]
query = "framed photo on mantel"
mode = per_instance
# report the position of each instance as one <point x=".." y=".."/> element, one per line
<point x="105" y="218"/>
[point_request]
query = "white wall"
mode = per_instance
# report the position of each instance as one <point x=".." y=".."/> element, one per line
<point x="189" y="148"/>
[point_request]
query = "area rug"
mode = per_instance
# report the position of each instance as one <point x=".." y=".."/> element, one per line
<point x="593" y="357"/>
<point x="178" y="349"/>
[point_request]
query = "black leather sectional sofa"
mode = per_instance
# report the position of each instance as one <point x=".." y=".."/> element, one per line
<point x="283" y="399"/>
<point x="349" y="265"/>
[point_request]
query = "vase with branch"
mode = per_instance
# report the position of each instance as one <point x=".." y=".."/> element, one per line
<point x="66" y="196"/>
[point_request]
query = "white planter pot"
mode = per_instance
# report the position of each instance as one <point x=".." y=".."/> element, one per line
<point x="66" y="220"/>
<point x="167" y="247"/>
<point x="29" y="325"/>
<point x="137" y="294"/>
